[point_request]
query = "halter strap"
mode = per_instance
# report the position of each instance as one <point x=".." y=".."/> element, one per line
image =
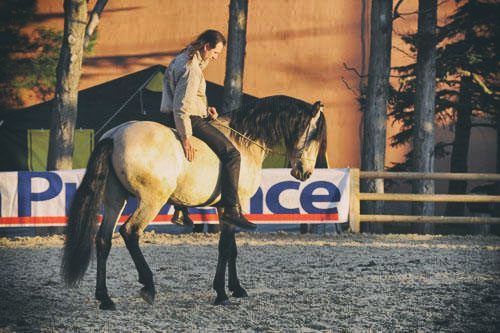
<point x="314" y="119"/>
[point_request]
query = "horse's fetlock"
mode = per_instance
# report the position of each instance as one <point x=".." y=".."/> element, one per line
<point x="101" y="294"/>
<point x="100" y="242"/>
<point x="128" y="234"/>
<point x="147" y="281"/>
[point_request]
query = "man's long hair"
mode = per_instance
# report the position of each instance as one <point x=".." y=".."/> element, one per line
<point x="210" y="37"/>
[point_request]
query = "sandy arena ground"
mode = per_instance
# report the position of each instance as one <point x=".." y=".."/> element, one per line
<point x="297" y="283"/>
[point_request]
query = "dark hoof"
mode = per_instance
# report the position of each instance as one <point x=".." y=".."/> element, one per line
<point x="181" y="217"/>
<point x="177" y="221"/>
<point x="107" y="305"/>
<point x="187" y="221"/>
<point x="239" y="292"/>
<point x="148" y="295"/>
<point x="223" y="302"/>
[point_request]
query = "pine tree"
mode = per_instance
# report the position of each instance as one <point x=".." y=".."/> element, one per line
<point x="14" y="45"/>
<point x="29" y="61"/>
<point x="423" y="135"/>
<point x="467" y="89"/>
<point x="375" y="114"/>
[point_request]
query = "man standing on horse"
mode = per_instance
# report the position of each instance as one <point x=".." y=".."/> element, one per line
<point x="184" y="97"/>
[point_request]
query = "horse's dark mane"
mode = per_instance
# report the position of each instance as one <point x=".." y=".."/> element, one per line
<point x="274" y="118"/>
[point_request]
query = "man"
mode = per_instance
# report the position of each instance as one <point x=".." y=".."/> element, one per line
<point x="184" y="96"/>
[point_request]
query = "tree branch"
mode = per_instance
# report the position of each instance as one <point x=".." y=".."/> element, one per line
<point x="404" y="52"/>
<point x="398" y="14"/>
<point x="352" y="69"/>
<point x="94" y="20"/>
<point x="349" y="87"/>
<point x="478" y="79"/>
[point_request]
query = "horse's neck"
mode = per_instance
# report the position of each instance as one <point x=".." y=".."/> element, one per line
<point x="254" y="151"/>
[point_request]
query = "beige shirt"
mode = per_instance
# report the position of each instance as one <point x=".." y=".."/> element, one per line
<point x="184" y="91"/>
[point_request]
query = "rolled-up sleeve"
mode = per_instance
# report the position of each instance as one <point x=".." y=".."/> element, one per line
<point x="185" y="99"/>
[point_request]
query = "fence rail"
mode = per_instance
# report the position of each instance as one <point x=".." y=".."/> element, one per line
<point x="355" y="217"/>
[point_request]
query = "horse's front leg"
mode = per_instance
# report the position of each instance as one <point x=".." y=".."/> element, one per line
<point x="234" y="284"/>
<point x="220" y="274"/>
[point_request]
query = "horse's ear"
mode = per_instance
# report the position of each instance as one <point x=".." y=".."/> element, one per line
<point x="317" y="107"/>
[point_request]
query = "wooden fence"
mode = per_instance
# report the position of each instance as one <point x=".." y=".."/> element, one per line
<point x="355" y="217"/>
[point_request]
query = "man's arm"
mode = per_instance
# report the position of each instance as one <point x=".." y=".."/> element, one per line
<point x="185" y="100"/>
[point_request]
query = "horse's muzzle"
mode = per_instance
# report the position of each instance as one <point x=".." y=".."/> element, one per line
<point x="300" y="174"/>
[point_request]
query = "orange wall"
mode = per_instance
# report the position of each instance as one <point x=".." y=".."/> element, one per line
<point x="294" y="47"/>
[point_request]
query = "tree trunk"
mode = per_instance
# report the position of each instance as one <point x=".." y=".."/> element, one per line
<point x="233" y="82"/>
<point x="363" y="41"/>
<point x="60" y="155"/>
<point x="460" y="151"/>
<point x="423" y="133"/>
<point x="495" y="228"/>
<point x="498" y="141"/>
<point x="374" y="122"/>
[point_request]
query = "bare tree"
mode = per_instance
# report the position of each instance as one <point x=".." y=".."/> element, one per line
<point x="235" y="61"/>
<point x="423" y="132"/>
<point x="375" y="117"/>
<point x="64" y="112"/>
<point x="60" y="156"/>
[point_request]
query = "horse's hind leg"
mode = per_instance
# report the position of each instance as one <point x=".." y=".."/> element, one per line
<point x="227" y="254"/>
<point x="114" y="202"/>
<point x="233" y="282"/>
<point x="148" y="208"/>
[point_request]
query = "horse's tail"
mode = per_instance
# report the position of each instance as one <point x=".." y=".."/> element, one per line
<point x="82" y="220"/>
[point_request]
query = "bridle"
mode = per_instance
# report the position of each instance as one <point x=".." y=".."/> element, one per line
<point x="300" y="152"/>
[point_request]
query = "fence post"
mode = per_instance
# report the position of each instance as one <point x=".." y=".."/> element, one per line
<point x="354" y="204"/>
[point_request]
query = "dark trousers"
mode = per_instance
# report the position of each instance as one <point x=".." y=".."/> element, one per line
<point x="228" y="155"/>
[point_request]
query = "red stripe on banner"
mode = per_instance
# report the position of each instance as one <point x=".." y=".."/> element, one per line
<point x="292" y="217"/>
<point x="26" y="221"/>
<point x="48" y="220"/>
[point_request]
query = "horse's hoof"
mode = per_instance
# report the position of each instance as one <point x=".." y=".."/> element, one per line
<point x="239" y="292"/>
<point x="107" y="305"/>
<point x="148" y="295"/>
<point x="224" y="302"/>
<point x="177" y="221"/>
<point x="187" y="222"/>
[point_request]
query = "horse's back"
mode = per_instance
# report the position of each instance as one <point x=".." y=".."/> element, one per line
<point x="149" y="160"/>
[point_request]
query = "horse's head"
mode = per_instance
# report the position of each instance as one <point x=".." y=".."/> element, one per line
<point x="275" y="120"/>
<point x="309" y="143"/>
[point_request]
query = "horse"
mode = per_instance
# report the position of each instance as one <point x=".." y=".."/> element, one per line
<point x="145" y="159"/>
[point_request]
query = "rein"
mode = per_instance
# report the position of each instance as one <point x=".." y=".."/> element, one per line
<point x="267" y="150"/>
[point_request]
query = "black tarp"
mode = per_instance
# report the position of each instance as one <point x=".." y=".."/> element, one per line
<point x="96" y="105"/>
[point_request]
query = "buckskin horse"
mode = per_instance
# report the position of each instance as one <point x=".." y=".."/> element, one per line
<point x="145" y="159"/>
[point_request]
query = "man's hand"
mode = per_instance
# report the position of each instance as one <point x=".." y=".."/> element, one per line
<point x="212" y="112"/>
<point x="188" y="149"/>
